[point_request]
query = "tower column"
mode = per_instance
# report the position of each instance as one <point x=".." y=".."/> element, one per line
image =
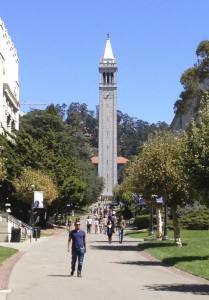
<point x="108" y="121"/>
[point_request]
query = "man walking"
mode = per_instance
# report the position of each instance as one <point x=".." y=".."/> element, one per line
<point x="121" y="227"/>
<point x="89" y="223"/>
<point x="78" y="238"/>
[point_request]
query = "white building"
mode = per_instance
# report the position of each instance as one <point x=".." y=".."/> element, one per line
<point x="9" y="83"/>
<point x="180" y="121"/>
<point x="107" y="167"/>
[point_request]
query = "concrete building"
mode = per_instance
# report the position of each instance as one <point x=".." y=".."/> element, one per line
<point x="9" y="83"/>
<point x="180" y="121"/>
<point x="107" y="167"/>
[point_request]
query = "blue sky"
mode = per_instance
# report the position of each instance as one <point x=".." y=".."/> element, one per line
<point x="59" y="45"/>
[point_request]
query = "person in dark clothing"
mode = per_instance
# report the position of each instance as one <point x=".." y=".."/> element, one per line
<point x="78" y="248"/>
<point x="110" y="231"/>
<point x="121" y="228"/>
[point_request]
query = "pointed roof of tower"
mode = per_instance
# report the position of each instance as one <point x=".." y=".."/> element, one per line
<point x="108" y="54"/>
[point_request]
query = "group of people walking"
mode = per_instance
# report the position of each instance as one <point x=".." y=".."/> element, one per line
<point x="107" y="224"/>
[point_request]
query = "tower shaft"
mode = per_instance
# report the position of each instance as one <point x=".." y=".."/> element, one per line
<point x="108" y="121"/>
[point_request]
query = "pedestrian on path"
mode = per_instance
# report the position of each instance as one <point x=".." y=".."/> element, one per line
<point x="96" y="225"/>
<point x="78" y="248"/>
<point x="110" y="230"/>
<point x="89" y="224"/>
<point x="121" y="227"/>
<point x="69" y="224"/>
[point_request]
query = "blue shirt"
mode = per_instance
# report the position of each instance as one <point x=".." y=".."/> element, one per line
<point x="78" y="238"/>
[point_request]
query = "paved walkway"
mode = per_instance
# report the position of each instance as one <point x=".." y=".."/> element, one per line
<point x="110" y="271"/>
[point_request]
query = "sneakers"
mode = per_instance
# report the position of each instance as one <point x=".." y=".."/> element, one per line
<point x="78" y="274"/>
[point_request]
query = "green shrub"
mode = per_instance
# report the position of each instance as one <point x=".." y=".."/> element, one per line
<point x="126" y="213"/>
<point x="198" y="220"/>
<point x="142" y="221"/>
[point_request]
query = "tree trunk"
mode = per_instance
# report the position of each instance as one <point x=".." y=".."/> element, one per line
<point x="159" y="223"/>
<point x="176" y="226"/>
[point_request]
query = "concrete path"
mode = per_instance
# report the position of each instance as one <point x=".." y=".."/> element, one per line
<point x="110" y="271"/>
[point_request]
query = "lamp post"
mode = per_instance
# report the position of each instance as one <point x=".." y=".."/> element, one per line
<point x="32" y="202"/>
<point x="0" y="195"/>
<point x="67" y="212"/>
<point x="151" y="230"/>
<point x="165" y="236"/>
<point x="1" y="180"/>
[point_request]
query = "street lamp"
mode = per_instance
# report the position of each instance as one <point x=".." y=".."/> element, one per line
<point x="151" y="229"/>
<point x="165" y="236"/>
<point x="0" y="194"/>
<point x="32" y="202"/>
<point x="1" y="180"/>
<point x="67" y="211"/>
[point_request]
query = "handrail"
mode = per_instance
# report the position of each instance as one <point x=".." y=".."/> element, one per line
<point x="15" y="220"/>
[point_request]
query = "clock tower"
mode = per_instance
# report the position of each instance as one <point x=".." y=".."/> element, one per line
<point x="107" y="167"/>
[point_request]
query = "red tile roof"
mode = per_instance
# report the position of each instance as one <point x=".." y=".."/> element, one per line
<point x="120" y="160"/>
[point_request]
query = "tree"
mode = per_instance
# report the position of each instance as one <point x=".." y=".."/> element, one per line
<point x="158" y="170"/>
<point x="2" y="165"/>
<point x="59" y="142"/>
<point x="41" y="182"/>
<point x="132" y="133"/>
<point x="196" y="153"/>
<point x="94" y="184"/>
<point x="195" y="82"/>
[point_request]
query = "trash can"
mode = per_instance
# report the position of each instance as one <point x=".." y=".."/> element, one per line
<point x="36" y="232"/>
<point x="15" y="235"/>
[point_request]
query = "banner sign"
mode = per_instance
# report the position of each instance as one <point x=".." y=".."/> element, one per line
<point x="38" y="199"/>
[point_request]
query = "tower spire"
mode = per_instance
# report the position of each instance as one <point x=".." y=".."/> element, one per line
<point x="108" y="54"/>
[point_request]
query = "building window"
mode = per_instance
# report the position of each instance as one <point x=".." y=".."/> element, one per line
<point x="8" y="120"/>
<point x="104" y="78"/>
<point x="112" y="78"/>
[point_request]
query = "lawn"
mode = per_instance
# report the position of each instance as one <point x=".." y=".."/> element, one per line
<point x="192" y="257"/>
<point x="6" y="253"/>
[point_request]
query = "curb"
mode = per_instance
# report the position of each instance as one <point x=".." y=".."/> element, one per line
<point x="6" y="269"/>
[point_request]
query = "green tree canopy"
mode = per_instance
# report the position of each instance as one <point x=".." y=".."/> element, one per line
<point x="194" y="81"/>
<point x="196" y="152"/>
<point x="41" y="182"/>
<point x="158" y="170"/>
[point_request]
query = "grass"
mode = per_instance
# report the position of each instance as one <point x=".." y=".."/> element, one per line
<point x="6" y="253"/>
<point x="78" y="212"/>
<point x="192" y="257"/>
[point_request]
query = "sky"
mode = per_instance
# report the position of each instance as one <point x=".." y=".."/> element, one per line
<point x="59" y="44"/>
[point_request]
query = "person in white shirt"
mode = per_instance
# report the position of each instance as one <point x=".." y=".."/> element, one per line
<point x="96" y="224"/>
<point x="88" y="224"/>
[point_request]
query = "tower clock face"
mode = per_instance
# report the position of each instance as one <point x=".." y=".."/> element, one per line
<point x="107" y="95"/>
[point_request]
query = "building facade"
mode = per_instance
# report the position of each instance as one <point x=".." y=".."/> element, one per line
<point x="9" y="83"/>
<point x="180" y="121"/>
<point x="107" y="167"/>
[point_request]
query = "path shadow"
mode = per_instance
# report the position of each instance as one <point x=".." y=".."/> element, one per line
<point x="142" y="263"/>
<point x="116" y="247"/>
<point x="116" y="242"/>
<point x="159" y="244"/>
<point x="197" y="289"/>
<point x="172" y="261"/>
<point x="58" y="275"/>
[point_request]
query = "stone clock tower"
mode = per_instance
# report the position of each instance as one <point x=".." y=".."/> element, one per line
<point x="107" y="167"/>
